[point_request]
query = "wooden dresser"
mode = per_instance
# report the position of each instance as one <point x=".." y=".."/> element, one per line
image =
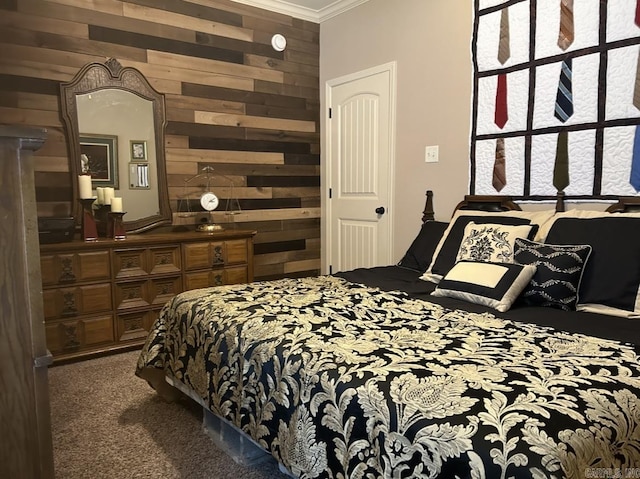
<point x="102" y="296"/>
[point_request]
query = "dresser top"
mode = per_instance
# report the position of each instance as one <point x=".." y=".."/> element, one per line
<point x="135" y="240"/>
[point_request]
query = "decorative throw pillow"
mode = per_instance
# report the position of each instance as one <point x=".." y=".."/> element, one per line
<point x="419" y="254"/>
<point x="446" y="252"/>
<point x="611" y="279"/>
<point x="496" y="285"/>
<point x="490" y="243"/>
<point x="559" y="271"/>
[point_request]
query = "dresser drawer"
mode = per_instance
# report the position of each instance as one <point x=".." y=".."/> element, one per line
<point x="216" y="277"/>
<point x="144" y="293"/>
<point x="132" y="294"/>
<point x="130" y="263"/>
<point x="135" y="326"/>
<point x="214" y="254"/>
<point x="75" y="335"/>
<point x="164" y="260"/>
<point x="75" y="267"/>
<point x="162" y="290"/>
<point x="76" y="301"/>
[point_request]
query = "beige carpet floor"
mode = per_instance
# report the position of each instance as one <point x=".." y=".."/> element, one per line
<point x="108" y="423"/>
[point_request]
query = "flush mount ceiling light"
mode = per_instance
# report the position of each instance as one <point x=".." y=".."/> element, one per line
<point x="278" y="42"/>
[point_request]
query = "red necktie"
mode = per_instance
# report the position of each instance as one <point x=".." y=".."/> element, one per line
<point x="501" y="114"/>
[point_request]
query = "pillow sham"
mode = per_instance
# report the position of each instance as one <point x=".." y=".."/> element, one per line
<point x="496" y="285"/>
<point x="611" y="279"/>
<point x="419" y="254"/>
<point x="446" y="252"/>
<point x="489" y="242"/>
<point x="559" y="270"/>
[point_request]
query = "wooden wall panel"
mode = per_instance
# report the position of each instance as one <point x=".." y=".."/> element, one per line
<point x="233" y="103"/>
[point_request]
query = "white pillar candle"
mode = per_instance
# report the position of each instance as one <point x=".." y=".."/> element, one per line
<point x="100" y="191"/>
<point x="116" y="204"/>
<point x="84" y="185"/>
<point x="109" y="193"/>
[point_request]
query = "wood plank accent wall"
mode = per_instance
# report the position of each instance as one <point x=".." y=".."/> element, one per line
<point x="232" y="101"/>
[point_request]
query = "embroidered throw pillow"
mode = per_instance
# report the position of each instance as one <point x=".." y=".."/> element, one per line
<point x="496" y="285"/>
<point x="490" y="243"/>
<point x="444" y="257"/>
<point x="558" y="275"/>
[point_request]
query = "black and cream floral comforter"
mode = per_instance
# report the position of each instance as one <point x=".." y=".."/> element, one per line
<point x="340" y="380"/>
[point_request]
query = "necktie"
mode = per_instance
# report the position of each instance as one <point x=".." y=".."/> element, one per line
<point x="504" y="50"/>
<point x="563" y="110"/>
<point x="637" y="19"/>
<point x="499" y="178"/>
<point x="634" y="178"/>
<point x="565" y="36"/>
<point x="564" y="95"/>
<point x="499" y="168"/>
<point x="561" y="167"/>
<point x="501" y="112"/>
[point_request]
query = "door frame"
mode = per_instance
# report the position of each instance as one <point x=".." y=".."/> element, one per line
<point x="325" y="224"/>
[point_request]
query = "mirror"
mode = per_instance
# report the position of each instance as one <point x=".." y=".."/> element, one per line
<point x="115" y="124"/>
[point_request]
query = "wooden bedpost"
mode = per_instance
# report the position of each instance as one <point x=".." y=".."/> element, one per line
<point x="428" y="214"/>
<point x="560" y="202"/>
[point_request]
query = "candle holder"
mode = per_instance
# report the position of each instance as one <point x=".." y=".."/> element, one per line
<point x="101" y="213"/>
<point x="115" y="226"/>
<point x="89" y="228"/>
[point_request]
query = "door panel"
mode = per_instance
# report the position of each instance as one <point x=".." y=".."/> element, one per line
<point x="360" y="150"/>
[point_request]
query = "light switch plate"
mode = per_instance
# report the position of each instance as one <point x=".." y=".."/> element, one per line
<point x="431" y="154"/>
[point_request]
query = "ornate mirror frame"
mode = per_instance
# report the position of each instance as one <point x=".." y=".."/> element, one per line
<point x="112" y="75"/>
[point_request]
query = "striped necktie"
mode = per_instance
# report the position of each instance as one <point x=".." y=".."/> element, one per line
<point x="565" y="35"/>
<point x="563" y="110"/>
<point x="564" y="96"/>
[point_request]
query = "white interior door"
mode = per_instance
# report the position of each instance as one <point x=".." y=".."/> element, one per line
<point x="360" y="174"/>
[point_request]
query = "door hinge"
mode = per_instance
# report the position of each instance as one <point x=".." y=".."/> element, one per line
<point x="330" y="269"/>
<point x="330" y="193"/>
<point x="330" y="112"/>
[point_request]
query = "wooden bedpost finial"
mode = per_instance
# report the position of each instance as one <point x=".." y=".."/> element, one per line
<point x="428" y="214"/>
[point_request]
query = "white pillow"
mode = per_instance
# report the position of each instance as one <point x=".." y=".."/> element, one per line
<point x="496" y="285"/>
<point x="490" y="243"/>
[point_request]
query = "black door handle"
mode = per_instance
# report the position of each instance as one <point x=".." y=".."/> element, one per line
<point x="380" y="210"/>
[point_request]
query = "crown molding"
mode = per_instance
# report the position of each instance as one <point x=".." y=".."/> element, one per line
<point x="304" y="13"/>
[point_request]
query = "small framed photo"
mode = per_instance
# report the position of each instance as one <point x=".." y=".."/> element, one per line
<point x="99" y="158"/>
<point x="138" y="150"/>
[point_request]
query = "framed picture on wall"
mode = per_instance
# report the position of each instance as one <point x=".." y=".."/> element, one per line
<point x="99" y="157"/>
<point x="138" y="150"/>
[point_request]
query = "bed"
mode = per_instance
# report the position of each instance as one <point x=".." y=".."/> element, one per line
<point x="388" y="372"/>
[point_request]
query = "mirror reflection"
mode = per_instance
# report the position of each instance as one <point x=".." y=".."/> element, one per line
<point x="115" y="132"/>
<point x="117" y="145"/>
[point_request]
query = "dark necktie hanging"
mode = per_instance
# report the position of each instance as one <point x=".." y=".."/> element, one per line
<point x="564" y="97"/>
<point x="501" y="115"/>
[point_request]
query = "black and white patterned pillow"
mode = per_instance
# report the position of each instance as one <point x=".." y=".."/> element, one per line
<point x="558" y="274"/>
<point x="490" y="243"/>
<point x="496" y="285"/>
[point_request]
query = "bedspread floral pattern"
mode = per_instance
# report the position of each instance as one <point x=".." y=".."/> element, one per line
<point x="339" y="380"/>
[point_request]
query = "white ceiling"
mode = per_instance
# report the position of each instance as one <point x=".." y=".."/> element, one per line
<point x="312" y="10"/>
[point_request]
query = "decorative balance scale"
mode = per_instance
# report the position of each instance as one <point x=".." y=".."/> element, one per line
<point x="209" y="201"/>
